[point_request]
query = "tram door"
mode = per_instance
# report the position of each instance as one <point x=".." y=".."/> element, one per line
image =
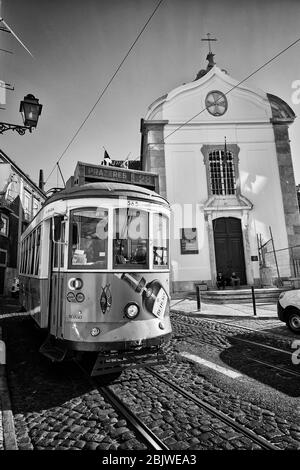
<point x="57" y="277"/>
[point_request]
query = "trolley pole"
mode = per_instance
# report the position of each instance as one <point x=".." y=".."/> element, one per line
<point x="253" y="301"/>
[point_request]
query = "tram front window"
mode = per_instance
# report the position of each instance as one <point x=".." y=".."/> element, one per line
<point x="160" y="241"/>
<point x="88" y="235"/>
<point x="131" y="239"/>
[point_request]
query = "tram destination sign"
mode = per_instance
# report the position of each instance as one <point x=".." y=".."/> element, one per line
<point x="101" y="173"/>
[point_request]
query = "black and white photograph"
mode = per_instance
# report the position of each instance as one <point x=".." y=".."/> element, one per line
<point x="149" y="231"/>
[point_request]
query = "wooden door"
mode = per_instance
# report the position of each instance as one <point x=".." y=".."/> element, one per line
<point x="229" y="248"/>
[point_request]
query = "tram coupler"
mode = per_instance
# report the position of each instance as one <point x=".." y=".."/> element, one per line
<point x="117" y="361"/>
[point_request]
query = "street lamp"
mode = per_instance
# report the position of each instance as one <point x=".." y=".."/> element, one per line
<point x="30" y="110"/>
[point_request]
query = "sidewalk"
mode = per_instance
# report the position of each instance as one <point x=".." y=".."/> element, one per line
<point x="209" y="310"/>
<point x="8" y="441"/>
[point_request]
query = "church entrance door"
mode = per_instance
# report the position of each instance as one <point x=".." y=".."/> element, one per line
<point x="229" y="248"/>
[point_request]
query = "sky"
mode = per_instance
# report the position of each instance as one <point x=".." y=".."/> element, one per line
<point x="78" y="45"/>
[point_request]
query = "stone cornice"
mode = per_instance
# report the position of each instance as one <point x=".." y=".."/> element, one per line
<point x="282" y="113"/>
<point x="225" y="203"/>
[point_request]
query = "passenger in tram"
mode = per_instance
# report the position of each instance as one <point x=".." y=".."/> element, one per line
<point x="119" y="255"/>
<point x="140" y="253"/>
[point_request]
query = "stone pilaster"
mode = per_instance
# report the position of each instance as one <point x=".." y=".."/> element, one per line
<point x="211" y="245"/>
<point x="153" y="151"/>
<point x="282" y="117"/>
<point x="287" y="183"/>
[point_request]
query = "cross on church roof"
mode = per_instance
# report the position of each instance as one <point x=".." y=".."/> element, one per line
<point x="210" y="55"/>
<point x="209" y="39"/>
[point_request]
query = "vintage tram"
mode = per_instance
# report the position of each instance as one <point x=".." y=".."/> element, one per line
<point x="94" y="273"/>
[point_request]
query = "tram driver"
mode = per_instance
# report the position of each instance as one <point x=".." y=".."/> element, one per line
<point x="88" y="247"/>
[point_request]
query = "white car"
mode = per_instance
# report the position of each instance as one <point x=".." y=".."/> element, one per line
<point x="288" y="309"/>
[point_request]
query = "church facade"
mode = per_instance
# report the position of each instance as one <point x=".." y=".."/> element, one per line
<point x="222" y="153"/>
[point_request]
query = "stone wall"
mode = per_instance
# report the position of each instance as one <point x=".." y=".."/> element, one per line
<point x="287" y="182"/>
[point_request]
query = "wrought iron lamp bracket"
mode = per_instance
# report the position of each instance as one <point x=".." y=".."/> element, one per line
<point x="4" y="126"/>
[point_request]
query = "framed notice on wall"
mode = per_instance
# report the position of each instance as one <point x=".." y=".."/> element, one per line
<point x="188" y="241"/>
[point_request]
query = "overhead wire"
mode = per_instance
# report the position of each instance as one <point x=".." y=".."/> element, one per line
<point x="231" y="89"/>
<point x="106" y="87"/>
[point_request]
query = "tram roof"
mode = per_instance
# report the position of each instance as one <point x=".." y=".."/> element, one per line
<point x="106" y="189"/>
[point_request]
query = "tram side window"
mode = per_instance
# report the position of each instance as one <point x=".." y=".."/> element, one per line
<point x="29" y="254"/>
<point x="37" y="252"/>
<point x="131" y="239"/>
<point x="88" y="235"/>
<point x="24" y="256"/>
<point x="160" y="241"/>
<point x="62" y="246"/>
<point x="59" y="239"/>
<point x="32" y="254"/>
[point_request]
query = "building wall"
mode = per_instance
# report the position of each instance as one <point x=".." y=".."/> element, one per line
<point x="20" y="200"/>
<point x="187" y="192"/>
<point x="262" y="198"/>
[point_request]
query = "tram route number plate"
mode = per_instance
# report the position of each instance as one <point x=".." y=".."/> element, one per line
<point x="160" y="303"/>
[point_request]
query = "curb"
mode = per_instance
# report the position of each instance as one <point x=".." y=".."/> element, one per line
<point x="13" y="314"/>
<point x="8" y="426"/>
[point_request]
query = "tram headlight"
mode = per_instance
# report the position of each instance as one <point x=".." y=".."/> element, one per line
<point x="75" y="283"/>
<point x="131" y="310"/>
<point x="95" y="331"/>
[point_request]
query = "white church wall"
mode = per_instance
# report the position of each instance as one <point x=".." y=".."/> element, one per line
<point x="246" y="124"/>
<point x="186" y="186"/>
<point x="260" y="183"/>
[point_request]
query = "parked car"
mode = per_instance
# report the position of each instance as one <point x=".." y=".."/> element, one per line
<point x="288" y="309"/>
<point x="15" y="287"/>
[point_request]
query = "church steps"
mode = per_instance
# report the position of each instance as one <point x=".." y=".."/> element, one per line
<point x="241" y="295"/>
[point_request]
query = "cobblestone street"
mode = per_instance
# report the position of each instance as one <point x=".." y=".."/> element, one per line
<point x="55" y="406"/>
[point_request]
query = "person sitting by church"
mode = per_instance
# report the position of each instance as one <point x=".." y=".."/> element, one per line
<point x="221" y="281"/>
<point x="235" y="280"/>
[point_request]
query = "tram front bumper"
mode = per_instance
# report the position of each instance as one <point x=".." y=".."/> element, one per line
<point x="123" y="345"/>
<point x="130" y="335"/>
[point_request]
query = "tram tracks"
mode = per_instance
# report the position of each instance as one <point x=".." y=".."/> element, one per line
<point x="230" y="335"/>
<point x="246" y="328"/>
<point x="195" y="339"/>
<point x="140" y="429"/>
<point x="267" y="364"/>
<point x="243" y="329"/>
<point x="125" y="408"/>
<point x="155" y="442"/>
<point x="263" y="443"/>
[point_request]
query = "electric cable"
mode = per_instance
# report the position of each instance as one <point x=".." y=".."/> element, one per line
<point x="106" y="87"/>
